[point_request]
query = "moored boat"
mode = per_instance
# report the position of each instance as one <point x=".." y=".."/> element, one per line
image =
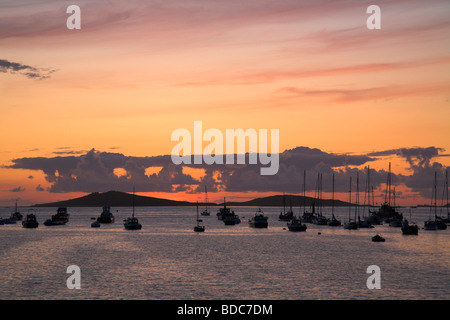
<point x="259" y="220"/>
<point x="106" y="216"/>
<point x="30" y="221"/>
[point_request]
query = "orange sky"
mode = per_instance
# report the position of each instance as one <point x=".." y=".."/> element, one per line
<point x="138" y="70"/>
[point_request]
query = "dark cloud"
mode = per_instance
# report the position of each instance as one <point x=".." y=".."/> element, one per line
<point x="95" y="171"/>
<point x="39" y="188"/>
<point x="18" y="189"/>
<point x="25" y="70"/>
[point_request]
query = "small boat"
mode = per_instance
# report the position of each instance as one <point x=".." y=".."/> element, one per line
<point x="350" y="224"/>
<point x="296" y="225"/>
<point x="106" y="216"/>
<point x="433" y="224"/>
<point x="286" y="216"/>
<point x="16" y="214"/>
<point x="409" y="228"/>
<point x="30" y="221"/>
<point x="395" y="222"/>
<point x="223" y="211"/>
<point x="206" y="211"/>
<point x="60" y="218"/>
<point x="231" y="219"/>
<point x="333" y="222"/>
<point x="132" y="223"/>
<point x="259" y="220"/>
<point x="378" y="238"/>
<point x="430" y="225"/>
<point x="228" y="216"/>
<point x="199" y="227"/>
<point x="95" y="224"/>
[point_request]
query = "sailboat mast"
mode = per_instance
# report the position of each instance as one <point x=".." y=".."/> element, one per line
<point x="350" y="199"/>
<point x="389" y="183"/>
<point x="435" y="194"/>
<point x="357" y="195"/>
<point x="332" y="198"/>
<point x="304" y="191"/>
<point x="446" y="188"/>
<point x="133" y="203"/>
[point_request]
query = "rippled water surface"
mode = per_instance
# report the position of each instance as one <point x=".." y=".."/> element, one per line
<point x="168" y="260"/>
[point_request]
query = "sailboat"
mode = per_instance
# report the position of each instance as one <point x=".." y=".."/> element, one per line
<point x="206" y="211"/>
<point x="351" y="224"/>
<point x="132" y="223"/>
<point x="16" y="214"/>
<point x="386" y="211"/>
<point x="319" y="219"/>
<point x="409" y="228"/>
<point x="198" y="227"/>
<point x="307" y="216"/>
<point x="333" y="221"/>
<point x="286" y="216"/>
<point x="395" y="221"/>
<point x="432" y="224"/>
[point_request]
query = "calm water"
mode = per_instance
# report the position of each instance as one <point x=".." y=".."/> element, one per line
<point x="167" y="260"/>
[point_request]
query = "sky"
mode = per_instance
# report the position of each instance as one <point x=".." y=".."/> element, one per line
<point x="94" y="109"/>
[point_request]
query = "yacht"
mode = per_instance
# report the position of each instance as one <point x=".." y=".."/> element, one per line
<point x="60" y="218"/>
<point x="433" y="224"/>
<point x="286" y="216"/>
<point x="296" y="225"/>
<point x="409" y="228"/>
<point x="350" y="224"/>
<point x="132" y="223"/>
<point x="258" y="220"/>
<point x="16" y="214"/>
<point x="106" y="216"/>
<point x="333" y="222"/>
<point x="30" y="221"/>
<point x="199" y="227"/>
<point x="206" y="211"/>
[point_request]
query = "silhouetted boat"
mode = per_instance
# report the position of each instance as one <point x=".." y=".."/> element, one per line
<point x="258" y="220"/>
<point x="386" y="211"/>
<point x="199" y="227"/>
<point x="106" y="216"/>
<point x="132" y="223"/>
<point x="378" y="238"/>
<point x="95" y="224"/>
<point x="16" y="214"/>
<point x="30" y="221"/>
<point x="223" y="211"/>
<point x="333" y="221"/>
<point x="286" y="216"/>
<point x="228" y="216"/>
<point x="431" y="224"/>
<point x="206" y="211"/>
<point x="60" y="218"/>
<point x="350" y="224"/>
<point x="409" y="228"/>
<point x="296" y="225"/>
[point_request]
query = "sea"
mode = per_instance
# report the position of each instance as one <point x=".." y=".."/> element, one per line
<point x="167" y="260"/>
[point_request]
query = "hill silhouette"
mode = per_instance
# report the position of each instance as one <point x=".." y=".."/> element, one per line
<point x="123" y="199"/>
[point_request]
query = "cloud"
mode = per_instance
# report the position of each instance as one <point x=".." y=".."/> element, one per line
<point x="95" y="171"/>
<point x="39" y="188"/>
<point x="18" y="189"/>
<point x="25" y="70"/>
